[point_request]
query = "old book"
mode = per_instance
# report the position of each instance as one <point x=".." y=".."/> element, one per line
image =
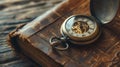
<point x="32" y="39"/>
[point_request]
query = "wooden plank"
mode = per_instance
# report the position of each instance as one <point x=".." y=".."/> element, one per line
<point x="18" y="63"/>
<point x="13" y="13"/>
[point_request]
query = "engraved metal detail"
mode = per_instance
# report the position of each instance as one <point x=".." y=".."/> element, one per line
<point x="80" y="27"/>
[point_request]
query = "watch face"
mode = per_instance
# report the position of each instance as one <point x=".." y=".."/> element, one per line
<point x="80" y="28"/>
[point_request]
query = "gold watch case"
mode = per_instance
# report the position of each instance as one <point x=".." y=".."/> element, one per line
<point x="81" y="29"/>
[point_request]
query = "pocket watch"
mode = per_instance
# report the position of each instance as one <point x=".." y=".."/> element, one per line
<point x="82" y="29"/>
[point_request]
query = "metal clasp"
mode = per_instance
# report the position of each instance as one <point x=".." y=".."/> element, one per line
<point x="59" y="43"/>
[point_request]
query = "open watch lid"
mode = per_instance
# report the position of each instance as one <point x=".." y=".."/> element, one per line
<point x="104" y="10"/>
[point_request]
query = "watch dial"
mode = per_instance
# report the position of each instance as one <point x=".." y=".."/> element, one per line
<point x="81" y="29"/>
<point x="80" y="26"/>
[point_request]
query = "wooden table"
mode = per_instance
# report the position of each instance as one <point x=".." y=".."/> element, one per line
<point x="13" y="13"/>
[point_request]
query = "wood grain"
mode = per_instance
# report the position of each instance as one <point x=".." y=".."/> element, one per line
<point x="35" y="35"/>
<point x="12" y="14"/>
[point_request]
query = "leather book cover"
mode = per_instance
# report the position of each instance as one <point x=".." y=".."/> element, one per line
<point x="32" y="39"/>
